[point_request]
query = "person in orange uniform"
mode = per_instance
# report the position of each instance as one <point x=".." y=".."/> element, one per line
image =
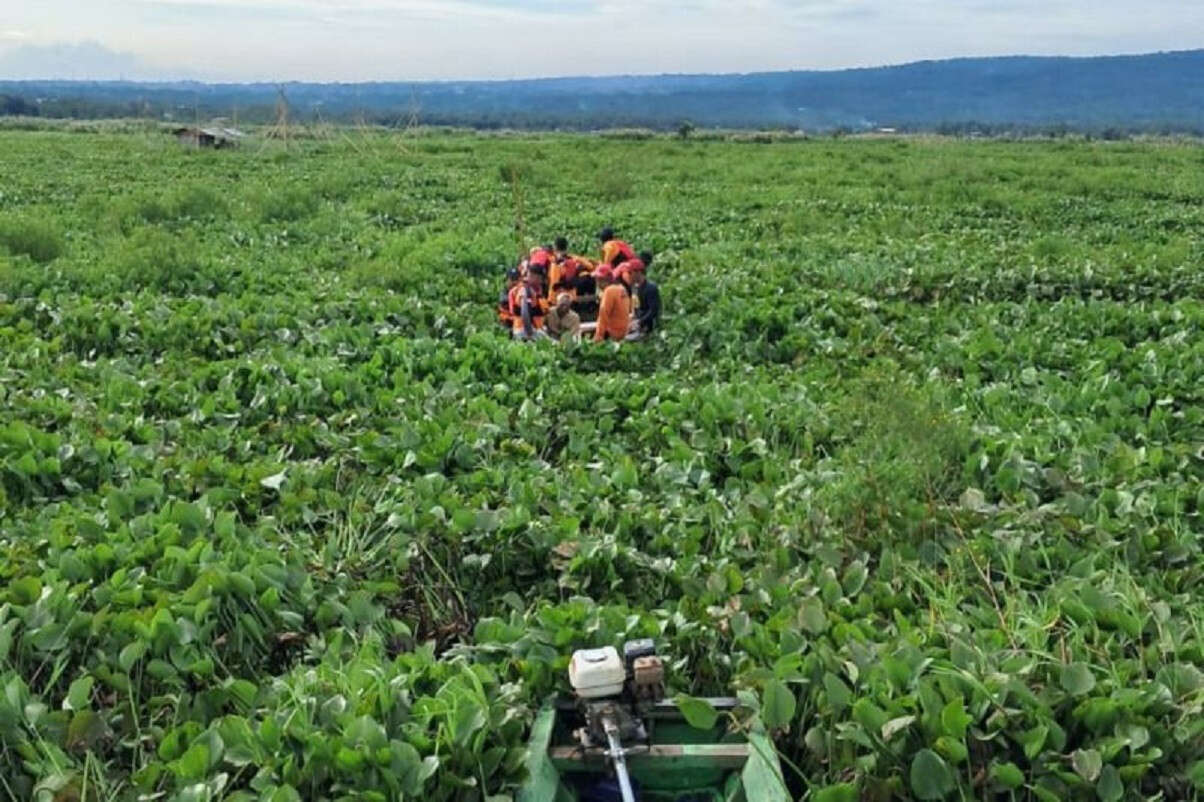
<point x="614" y="251"/>
<point x="563" y="278"/>
<point x="559" y="257"/>
<point x="614" y="311"/>
<point x="513" y="279"/>
<point x="528" y="306"/>
<point x="626" y="270"/>
<point x="540" y="255"/>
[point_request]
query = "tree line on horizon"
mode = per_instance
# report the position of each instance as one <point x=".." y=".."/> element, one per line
<point x="1158" y="93"/>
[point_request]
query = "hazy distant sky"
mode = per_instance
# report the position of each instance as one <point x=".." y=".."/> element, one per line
<point x="352" y="40"/>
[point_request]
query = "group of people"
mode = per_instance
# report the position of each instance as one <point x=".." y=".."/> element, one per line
<point x="554" y="294"/>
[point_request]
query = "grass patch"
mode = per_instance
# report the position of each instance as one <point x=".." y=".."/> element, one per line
<point x="40" y="240"/>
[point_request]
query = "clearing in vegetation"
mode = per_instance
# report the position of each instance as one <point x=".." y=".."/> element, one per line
<point x="913" y="462"/>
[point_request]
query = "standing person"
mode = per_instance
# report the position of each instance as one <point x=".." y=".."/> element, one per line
<point x="649" y="314"/>
<point x="563" y="322"/>
<point x="614" y="251"/>
<point x="614" y="310"/>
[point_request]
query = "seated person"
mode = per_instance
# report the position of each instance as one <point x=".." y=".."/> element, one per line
<point x="648" y="314"/>
<point x="580" y="284"/>
<point x="503" y="301"/>
<point x="614" y="310"/>
<point x="563" y="323"/>
<point x="527" y="309"/>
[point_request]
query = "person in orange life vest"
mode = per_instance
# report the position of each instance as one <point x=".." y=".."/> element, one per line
<point x="556" y="263"/>
<point x="503" y="302"/>
<point x="540" y="255"/>
<point x="614" y="251"/>
<point x="528" y="308"/>
<point x="563" y="278"/>
<point x="565" y="268"/>
<point x="614" y="311"/>
<point x="627" y="274"/>
<point x="625" y="271"/>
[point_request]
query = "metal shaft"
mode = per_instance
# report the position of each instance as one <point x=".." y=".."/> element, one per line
<point x="619" y="757"/>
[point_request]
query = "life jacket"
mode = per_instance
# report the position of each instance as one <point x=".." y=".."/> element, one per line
<point x="538" y="303"/>
<point x="569" y="270"/>
<point x="624" y="273"/>
<point x="540" y="256"/>
<point x="619" y="252"/>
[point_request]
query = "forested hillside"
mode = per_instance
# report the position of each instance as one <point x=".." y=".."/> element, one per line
<point x="1159" y="92"/>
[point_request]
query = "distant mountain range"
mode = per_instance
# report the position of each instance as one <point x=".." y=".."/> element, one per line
<point x="1162" y="92"/>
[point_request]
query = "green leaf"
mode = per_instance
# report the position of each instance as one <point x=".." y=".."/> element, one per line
<point x="430" y="764"/>
<point x="1110" y="788"/>
<point x="896" y="725"/>
<point x="468" y="717"/>
<point x="839" y="695"/>
<point x="699" y="713"/>
<point x="854" y="578"/>
<point x="349" y="760"/>
<point x="842" y="792"/>
<point x="85" y="729"/>
<point x="811" y="616"/>
<point x="1195" y="773"/>
<point x="778" y="705"/>
<point x="193" y="764"/>
<point x="869" y="715"/>
<point x="1135" y="735"/>
<point x="1033" y="740"/>
<point x="26" y="590"/>
<point x="1007" y="775"/>
<point x="1087" y="764"/>
<point x="955" y="719"/>
<point x="131" y="654"/>
<point x="952" y="749"/>
<point x="285" y="793"/>
<point x="1077" y="679"/>
<point x="79" y="695"/>
<point x="930" y="776"/>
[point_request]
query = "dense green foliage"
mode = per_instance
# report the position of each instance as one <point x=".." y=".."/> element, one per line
<point x="1157" y="92"/>
<point x="915" y="462"/>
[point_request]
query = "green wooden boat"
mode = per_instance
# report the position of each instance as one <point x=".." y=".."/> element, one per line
<point x="676" y="763"/>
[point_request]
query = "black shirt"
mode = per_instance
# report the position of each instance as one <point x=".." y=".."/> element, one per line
<point x="650" y="305"/>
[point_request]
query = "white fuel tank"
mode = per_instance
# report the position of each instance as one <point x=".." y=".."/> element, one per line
<point x="595" y="673"/>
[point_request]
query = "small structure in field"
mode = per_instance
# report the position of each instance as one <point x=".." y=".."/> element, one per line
<point x="216" y="138"/>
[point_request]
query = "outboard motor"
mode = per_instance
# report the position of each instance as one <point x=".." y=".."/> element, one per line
<point x="613" y="695"/>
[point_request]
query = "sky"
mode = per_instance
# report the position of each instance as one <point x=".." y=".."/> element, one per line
<point x="404" y="40"/>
